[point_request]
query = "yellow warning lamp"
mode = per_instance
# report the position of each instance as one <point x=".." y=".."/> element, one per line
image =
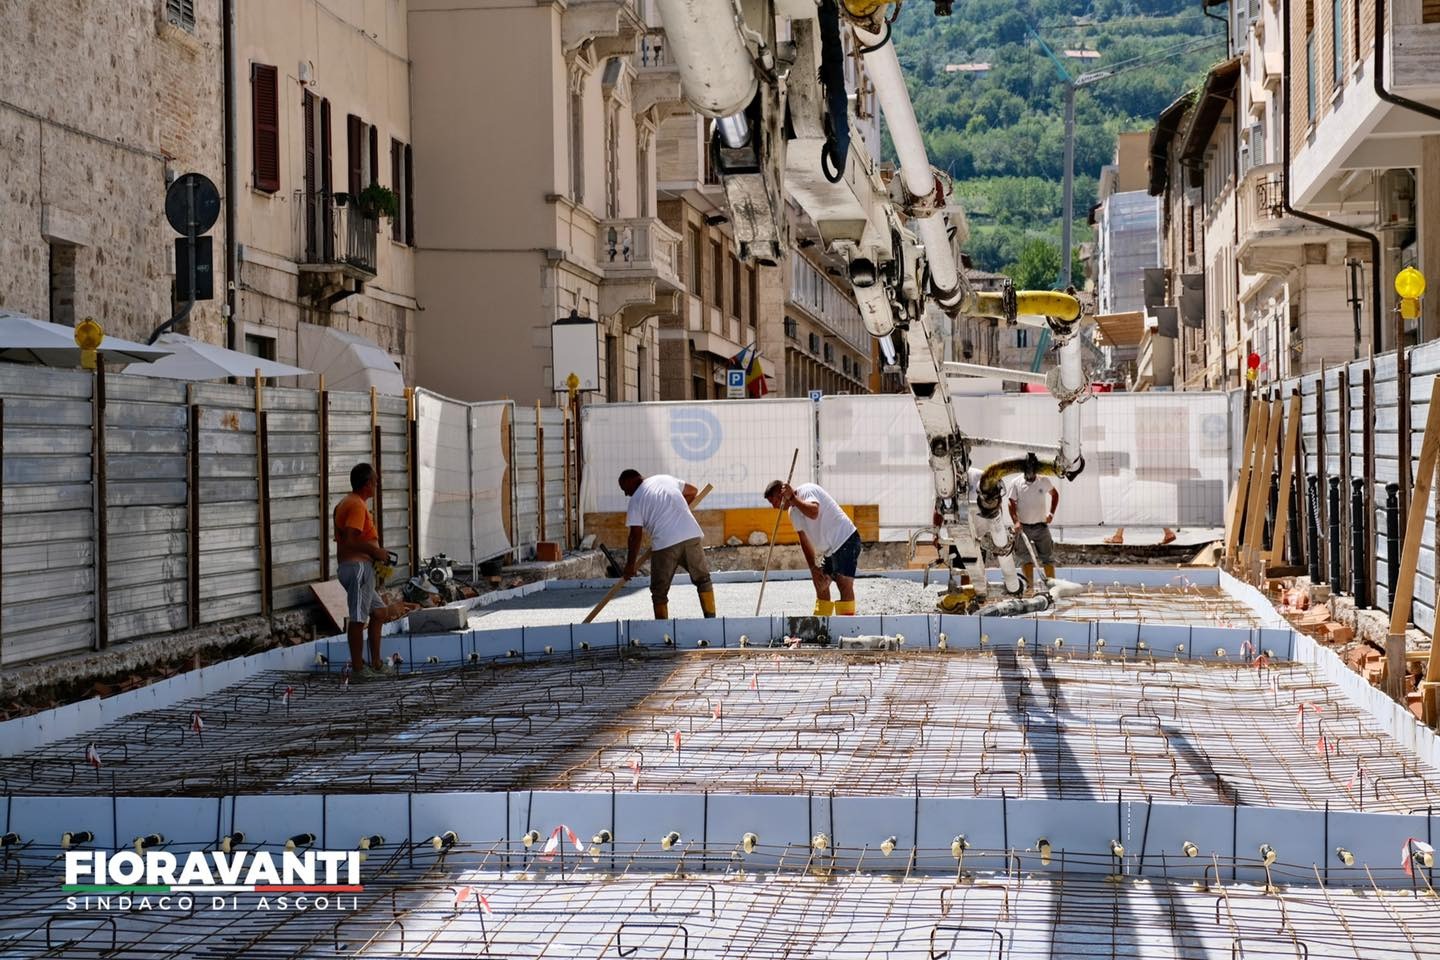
<point x="87" y="337"/>
<point x="1410" y="286"/>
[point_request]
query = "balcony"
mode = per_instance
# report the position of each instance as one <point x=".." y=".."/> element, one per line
<point x="337" y="246"/>
<point x="657" y="76"/>
<point x="639" y="260"/>
<point x="1271" y="240"/>
<point x="609" y="25"/>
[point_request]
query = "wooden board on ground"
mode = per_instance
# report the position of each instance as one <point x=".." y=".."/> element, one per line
<point x="332" y="600"/>
<point x="720" y="525"/>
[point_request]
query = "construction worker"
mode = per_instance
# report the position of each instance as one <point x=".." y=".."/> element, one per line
<point x="361" y="567"/>
<point x="660" y="506"/>
<point x="828" y="539"/>
<point x="1033" y="500"/>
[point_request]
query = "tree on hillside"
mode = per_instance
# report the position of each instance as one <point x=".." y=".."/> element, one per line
<point x="1038" y="266"/>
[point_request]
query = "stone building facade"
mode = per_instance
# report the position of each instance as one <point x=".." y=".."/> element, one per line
<point x="101" y="105"/>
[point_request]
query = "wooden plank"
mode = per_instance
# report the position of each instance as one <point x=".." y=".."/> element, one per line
<point x="718" y="526"/>
<point x="1265" y="432"/>
<point x="1344" y="427"/>
<point x="1287" y="476"/>
<point x="1409" y="558"/>
<point x="1368" y="393"/>
<point x="331" y="597"/>
<point x="1241" y="494"/>
<point x="263" y="466"/>
<point x="1323" y="546"/>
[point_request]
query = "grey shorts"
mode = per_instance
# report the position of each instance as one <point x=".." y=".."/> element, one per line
<point x="1039" y="537"/>
<point x="361" y="599"/>
<point x="689" y="554"/>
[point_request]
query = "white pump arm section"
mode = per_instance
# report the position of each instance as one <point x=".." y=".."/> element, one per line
<point x="775" y="120"/>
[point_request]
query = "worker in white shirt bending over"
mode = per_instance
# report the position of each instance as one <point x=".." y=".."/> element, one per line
<point x="828" y="539"/>
<point x="660" y="506"/>
<point x="1033" y="500"/>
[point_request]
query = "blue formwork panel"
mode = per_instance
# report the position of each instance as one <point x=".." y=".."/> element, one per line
<point x="1117" y="636"/>
<point x="497" y="644"/>
<point x="694" y="634"/>
<point x="545" y="642"/>
<point x="350" y="816"/>
<point x="961" y="633"/>
<point x="853" y="627"/>
<point x="918" y="629"/>
<point x="42" y="820"/>
<point x="1279" y="639"/>
<point x="1075" y="637"/>
<point x="778" y="822"/>
<point x="447" y="649"/>
<point x="980" y="820"/>
<point x="477" y="818"/>
<point x="593" y="637"/>
<point x="1163" y="641"/>
<point x="1206" y="643"/>
<point x="1009" y="631"/>
<point x="650" y="634"/>
<point x="271" y="819"/>
<point x="757" y="631"/>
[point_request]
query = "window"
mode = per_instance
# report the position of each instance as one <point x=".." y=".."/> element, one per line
<point x="792" y="329"/>
<point x="612" y="161"/>
<point x="613" y="391"/>
<point x="642" y="176"/>
<point x="1337" y="32"/>
<point x="372" y="169"/>
<point x="696" y="279"/>
<point x="265" y="127"/>
<point x="181" y="13"/>
<point x="642" y="373"/>
<point x="402" y="229"/>
<point x="260" y="345"/>
<point x="62" y="283"/>
<point x="717" y="274"/>
<point x="829" y="353"/>
<point x="845" y="364"/>
<point x="1311" y="66"/>
<point x="814" y="343"/>
<point x="698" y="385"/>
<point x="577" y="147"/>
<point x="355" y="154"/>
<point x="734" y="287"/>
<point x="1022" y="337"/>
<point x="754" y="299"/>
<point x="409" y="195"/>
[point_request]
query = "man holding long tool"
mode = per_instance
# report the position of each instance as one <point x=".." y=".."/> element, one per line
<point x="1033" y="500"/>
<point x="660" y="506"/>
<point x="828" y="539"/>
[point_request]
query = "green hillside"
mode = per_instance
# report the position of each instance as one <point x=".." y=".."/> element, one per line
<point x="1001" y="135"/>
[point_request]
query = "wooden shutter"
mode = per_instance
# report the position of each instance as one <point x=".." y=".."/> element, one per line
<point x="327" y="180"/>
<point x="265" y="127"/>
<point x="313" y="203"/>
<point x="354" y="145"/>
<point x="397" y="183"/>
<point x="374" y="156"/>
<point x="409" y="196"/>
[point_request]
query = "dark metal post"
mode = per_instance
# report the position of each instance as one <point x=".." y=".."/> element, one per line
<point x="1272" y="507"/>
<point x="1296" y="526"/>
<point x="1361" y="583"/>
<point x="1313" y="526"/>
<point x="1392" y="538"/>
<point x="1335" y="551"/>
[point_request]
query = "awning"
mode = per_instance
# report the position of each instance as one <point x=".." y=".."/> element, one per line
<point x="348" y="361"/>
<point x="193" y="359"/>
<point x="27" y="340"/>
<point x="1121" y="329"/>
<point x="1217" y="93"/>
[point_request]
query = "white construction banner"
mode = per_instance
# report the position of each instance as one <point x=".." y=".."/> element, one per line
<point x="873" y="450"/>
<point x="736" y="445"/>
<point x="462" y="463"/>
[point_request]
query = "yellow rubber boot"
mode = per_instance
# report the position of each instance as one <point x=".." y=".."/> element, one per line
<point x="1029" y="570"/>
<point x="662" y="610"/>
<point x="707" y="603"/>
<point x="1050" y="571"/>
<point x="823" y="608"/>
<point x="845" y="608"/>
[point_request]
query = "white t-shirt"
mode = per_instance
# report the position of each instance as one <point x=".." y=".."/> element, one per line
<point x="827" y="532"/>
<point x="659" y="506"/>
<point x="1032" y="498"/>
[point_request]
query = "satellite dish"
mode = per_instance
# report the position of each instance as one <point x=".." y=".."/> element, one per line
<point x="192" y="204"/>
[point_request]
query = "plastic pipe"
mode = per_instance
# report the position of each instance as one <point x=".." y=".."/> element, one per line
<point x="1072" y="377"/>
<point x="716" y="70"/>
<point x="915" y="171"/>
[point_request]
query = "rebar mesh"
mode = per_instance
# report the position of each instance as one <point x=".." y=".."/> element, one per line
<point x="1029" y="722"/>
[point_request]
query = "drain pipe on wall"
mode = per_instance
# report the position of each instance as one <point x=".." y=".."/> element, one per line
<point x="1376" y="309"/>
<point x="232" y="180"/>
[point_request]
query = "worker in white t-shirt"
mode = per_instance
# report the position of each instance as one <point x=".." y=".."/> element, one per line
<point x="1033" y="499"/>
<point x="660" y="506"/>
<point x="828" y="539"/>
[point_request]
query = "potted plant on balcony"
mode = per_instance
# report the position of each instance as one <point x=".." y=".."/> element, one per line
<point x="378" y="201"/>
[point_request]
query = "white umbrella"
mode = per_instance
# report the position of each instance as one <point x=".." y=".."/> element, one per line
<point x="349" y="361"/>
<point x="27" y="340"/>
<point x="192" y="359"/>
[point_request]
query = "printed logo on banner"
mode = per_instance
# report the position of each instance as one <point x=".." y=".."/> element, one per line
<point x="695" y="433"/>
<point x="1213" y="430"/>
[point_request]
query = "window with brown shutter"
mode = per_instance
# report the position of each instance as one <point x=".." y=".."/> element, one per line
<point x="397" y="183"/>
<point x="374" y="157"/>
<point x="265" y="127"/>
<point x="354" y="144"/>
<point x="410" y="195"/>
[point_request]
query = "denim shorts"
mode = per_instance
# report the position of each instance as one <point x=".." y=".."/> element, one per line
<point x="844" y="561"/>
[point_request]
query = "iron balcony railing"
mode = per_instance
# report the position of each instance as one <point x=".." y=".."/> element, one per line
<point x="1269" y="197"/>
<point x="337" y="231"/>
